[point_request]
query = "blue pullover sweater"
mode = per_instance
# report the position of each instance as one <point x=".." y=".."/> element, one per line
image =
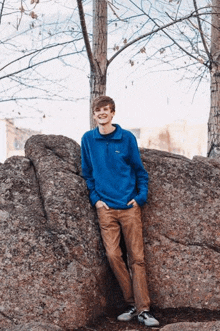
<point x="112" y="168"/>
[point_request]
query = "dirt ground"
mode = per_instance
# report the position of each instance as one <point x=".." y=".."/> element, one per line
<point x="108" y="321"/>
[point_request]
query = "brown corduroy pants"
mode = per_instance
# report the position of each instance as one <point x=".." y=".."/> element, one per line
<point x="133" y="282"/>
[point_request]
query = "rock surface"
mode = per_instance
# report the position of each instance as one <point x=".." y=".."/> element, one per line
<point x="34" y="327"/>
<point x="182" y="230"/>
<point x="187" y="326"/>
<point x="53" y="266"/>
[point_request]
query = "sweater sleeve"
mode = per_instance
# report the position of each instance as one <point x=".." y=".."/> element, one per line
<point x="142" y="177"/>
<point x="87" y="172"/>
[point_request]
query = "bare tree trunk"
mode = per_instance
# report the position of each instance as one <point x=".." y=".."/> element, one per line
<point x="99" y="69"/>
<point x="214" y="117"/>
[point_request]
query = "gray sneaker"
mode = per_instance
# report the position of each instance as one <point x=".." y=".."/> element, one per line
<point x="129" y="313"/>
<point x="146" y="318"/>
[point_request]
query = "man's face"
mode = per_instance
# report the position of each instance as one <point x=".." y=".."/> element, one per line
<point x="103" y="115"/>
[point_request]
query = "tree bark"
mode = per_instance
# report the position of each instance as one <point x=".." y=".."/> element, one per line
<point x="214" y="117"/>
<point x="99" y="67"/>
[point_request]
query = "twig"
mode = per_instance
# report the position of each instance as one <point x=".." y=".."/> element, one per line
<point x="160" y="28"/>
<point x="114" y="12"/>
<point x="37" y="64"/>
<point x="3" y="3"/>
<point x="201" y="33"/>
<point x="36" y="52"/>
<point x="21" y="10"/>
<point x="85" y="34"/>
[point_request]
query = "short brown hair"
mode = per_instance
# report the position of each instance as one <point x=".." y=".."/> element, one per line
<point x="103" y="101"/>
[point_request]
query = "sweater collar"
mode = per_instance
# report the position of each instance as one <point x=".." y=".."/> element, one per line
<point x="116" y="136"/>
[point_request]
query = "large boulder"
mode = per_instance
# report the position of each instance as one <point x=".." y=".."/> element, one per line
<point x="182" y="230"/>
<point x="187" y="326"/>
<point x="53" y="265"/>
<point x="34" y="326"/>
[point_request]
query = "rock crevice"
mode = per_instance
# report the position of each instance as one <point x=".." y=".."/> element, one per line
<point x="197" y="244"/>
<point x="39" y="191"/>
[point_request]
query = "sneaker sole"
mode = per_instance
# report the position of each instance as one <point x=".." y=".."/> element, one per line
<point x="156" y="323"/>
<point x="128" y="319"/>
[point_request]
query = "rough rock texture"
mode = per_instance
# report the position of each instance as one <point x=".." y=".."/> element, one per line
<point x="182" y="230"/>
<point x="53" y="267"/>
<point x="33" y="327"/>
<point x="187" y="326"/>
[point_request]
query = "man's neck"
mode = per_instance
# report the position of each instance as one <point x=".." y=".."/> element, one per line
<point x="106" y="129"/>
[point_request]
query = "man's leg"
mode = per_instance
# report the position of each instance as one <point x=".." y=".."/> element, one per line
<point x="131" y="224"/>
<point x="110" y="232"/>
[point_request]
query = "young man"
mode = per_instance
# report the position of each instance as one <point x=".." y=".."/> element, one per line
<point x="118" y="186"/>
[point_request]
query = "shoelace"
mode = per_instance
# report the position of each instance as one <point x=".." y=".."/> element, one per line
<point x="146" y="314"/>
<point x="131" y="310"/>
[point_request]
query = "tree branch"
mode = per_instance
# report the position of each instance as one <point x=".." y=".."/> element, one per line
<point x="161" y="28"/>
<point x="37" y="51"/>
<point x="184" y="50"/>
<point x="85" y="34"/>
<point x="37" y="64"/>
<point x="3" y="3"/>
<point x="201" y="33"/>
<point x="37" y="88"/>
<point x="35" y="98"/>
<point x="177" y="44"/>
<point x="111" y="5"/>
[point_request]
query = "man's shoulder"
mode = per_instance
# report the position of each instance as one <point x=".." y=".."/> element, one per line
<point x="88" y="134"/>
<point x="127" y="133"/>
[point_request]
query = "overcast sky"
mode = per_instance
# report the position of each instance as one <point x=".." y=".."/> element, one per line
<point x="143" y="98"/>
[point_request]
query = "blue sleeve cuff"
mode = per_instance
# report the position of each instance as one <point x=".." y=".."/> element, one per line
<point x="94" y="198"/>
<point x="141" y="199"/>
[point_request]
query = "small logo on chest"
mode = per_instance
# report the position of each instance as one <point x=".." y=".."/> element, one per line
<point x="117" y="152"/>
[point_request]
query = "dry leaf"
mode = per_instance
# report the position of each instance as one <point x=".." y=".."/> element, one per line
<point x="115" y="48"/>
<point x="33" y="15"/>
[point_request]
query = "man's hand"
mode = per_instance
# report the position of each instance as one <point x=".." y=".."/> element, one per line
<point x="100" y="204"/>
<point x="132" y="202"/>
